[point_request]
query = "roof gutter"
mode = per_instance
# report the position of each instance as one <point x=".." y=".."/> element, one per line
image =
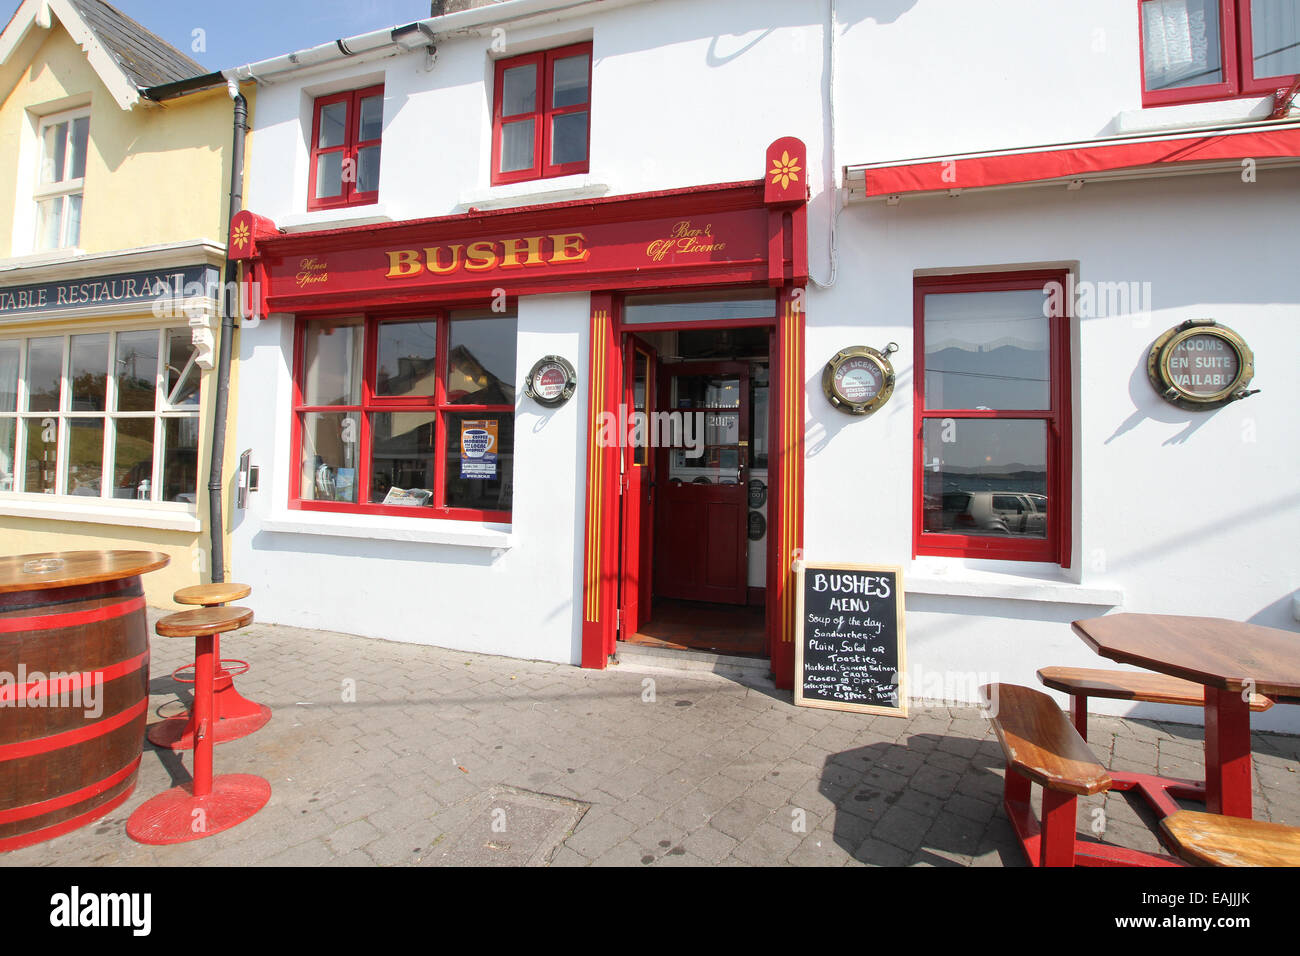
<point x="169" y="91"/>
<point x="412" y="36"/>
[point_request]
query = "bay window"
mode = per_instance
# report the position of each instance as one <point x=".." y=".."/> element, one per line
<point x="541" y="115"/>
<point x="992" y="393"/>
<point x="406" y="415"/>
<point x="60" y="182"/>
<point x="1195" y="50"/>
<point x="110" y="415"/>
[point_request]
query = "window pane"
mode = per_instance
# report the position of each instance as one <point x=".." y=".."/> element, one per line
<point x="333" y="125"/>
<point x="1275" y="37"/>
<point x="8" y="430"/>
<point x="987" y="350"/>
<point x="182" y="370"/>
<point x="54" y="153"/>
<point x="180" y="475"/>
<point x="700" y="306"/>
<point x="89" y="372"/>
<point x="9" y="356"/>
<point x="330" y="443"/>
<point x="137" y="371"/>
<point x="333" y="363"/>
<point x="49" y="223"/>
<point x="569" y="138"/>
<point x="368" y="169"/>
<point x="407" y="358"/>
<point x="1180" y="43"/>
<point x="480" y="461"/>
<point x="519" y="90"/>
<point x="481" y="359"/>
<point x="44" y="369"/>
<point x="42" y="454"/>
<point x="402" y="459"/>
<point x="74" y="220"/>
<point x="85" y="456"/>
<point x="329" y="175"/>
<point x="372" y="118"/>
<point x="985" y="477"/>
<point x="80" y="133"/>
<point x="517" y="146"/>
<point x="133" y="458"/>
<point x="570" y="81"/>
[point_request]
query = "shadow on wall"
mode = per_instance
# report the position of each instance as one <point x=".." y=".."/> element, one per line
<point x="1148" y="405"/>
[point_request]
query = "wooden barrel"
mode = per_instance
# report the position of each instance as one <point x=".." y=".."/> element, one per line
<point x="74" y="688"/>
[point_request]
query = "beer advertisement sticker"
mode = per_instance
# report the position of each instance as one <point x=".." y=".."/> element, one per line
<point x="478" y="443"/>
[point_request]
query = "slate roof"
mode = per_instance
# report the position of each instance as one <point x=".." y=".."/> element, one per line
<point x="146" y="59"/>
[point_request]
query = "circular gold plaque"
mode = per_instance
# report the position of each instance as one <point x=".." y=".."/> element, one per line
<point x="858" y="380"/>
<point x="1200" y="365"/>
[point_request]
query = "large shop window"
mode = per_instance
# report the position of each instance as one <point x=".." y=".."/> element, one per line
<point x="345" y="147"/>
<point x="101" y="415"/>
<point x="541" y="115"/>
<point x="409" y="416"/>
<point x="60" y="182"/>
<point x="993" y="417"/>
<point x="1196" y="50"/>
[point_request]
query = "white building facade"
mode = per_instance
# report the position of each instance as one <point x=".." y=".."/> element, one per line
<point x="1021" y="197"/>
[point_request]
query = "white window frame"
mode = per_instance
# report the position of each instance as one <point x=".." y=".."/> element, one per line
<point x="163" y="411"/>
<point x="62" y="190"/>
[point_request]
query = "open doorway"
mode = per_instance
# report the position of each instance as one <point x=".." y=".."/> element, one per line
<point x="694" y="540"/>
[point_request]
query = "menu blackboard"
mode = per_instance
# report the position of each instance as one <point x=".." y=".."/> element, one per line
<point x="850" y="652"/>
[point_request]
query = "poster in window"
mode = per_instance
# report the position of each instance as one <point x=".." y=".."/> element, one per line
<point x="478" y="442"/>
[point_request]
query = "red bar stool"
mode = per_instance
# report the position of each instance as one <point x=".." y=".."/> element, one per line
<point x="208" y="804"/>
<point x="234" y="715"/>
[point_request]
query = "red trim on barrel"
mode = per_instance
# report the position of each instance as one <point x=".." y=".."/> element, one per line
<point x="103" y="676"/>
<point x="68" y="799"/>
<point x="48" y="622"/>
<point x="42" y="745"/>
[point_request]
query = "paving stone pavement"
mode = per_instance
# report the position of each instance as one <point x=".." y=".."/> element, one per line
<point x="382" y="752"/>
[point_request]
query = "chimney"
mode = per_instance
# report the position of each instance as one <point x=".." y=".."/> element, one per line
<point x="438" y="7"/>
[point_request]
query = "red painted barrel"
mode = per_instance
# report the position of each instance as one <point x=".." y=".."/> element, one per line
<point x="74" y="688"/>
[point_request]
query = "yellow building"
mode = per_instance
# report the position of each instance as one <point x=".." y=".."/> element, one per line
<point x="115" y="152"/>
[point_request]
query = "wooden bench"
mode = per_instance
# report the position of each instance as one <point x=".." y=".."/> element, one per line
<point x="1211" y="839"/>
<point x="1042" y="747"/>
<point x="1084" y="682"/>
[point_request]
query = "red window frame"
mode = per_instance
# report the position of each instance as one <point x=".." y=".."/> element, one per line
<point x="371" y="404"/>
<point x="1238" y="59"/>
<point x="542" y="116"/>
<point x="1055" y="548"/>
<point x="352" y="144"/>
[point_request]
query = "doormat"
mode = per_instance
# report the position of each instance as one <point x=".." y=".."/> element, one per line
<point x="506" y="826"/>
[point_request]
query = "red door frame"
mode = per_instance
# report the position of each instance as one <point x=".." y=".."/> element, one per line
<point x="637" y="510"/>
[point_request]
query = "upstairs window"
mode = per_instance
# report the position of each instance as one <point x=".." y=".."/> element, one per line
<point x="541" y="115"/>
<point x="345" y="145"/>
<point x="1194" y="50"/>
<point x="61" y="180"/>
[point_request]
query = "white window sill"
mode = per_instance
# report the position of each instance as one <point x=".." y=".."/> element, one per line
<point x="468" y="534"/>
<point x="1030" y="582"/>
<point x="65" y="509"/>
<point x="1190" y="116"/>
<point x="331" y="218"/>
<point x="533" y="192"/>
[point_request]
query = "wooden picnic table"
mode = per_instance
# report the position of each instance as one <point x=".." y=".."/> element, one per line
<point x="1231" y="660"/>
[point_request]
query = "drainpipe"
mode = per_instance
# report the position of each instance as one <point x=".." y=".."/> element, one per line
<point x="229" y="305"/>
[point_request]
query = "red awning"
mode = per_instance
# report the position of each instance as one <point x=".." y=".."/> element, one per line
<point x="1075" y="160"/>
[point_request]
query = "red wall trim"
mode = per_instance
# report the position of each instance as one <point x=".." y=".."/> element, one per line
<point x="973" y="172"/>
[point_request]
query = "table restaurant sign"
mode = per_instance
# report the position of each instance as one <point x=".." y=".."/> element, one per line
<point x="158" y="286"/>
<point x="850" y="649"/>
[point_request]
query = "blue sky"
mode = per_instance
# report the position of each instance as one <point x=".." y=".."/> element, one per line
<point x="244" y="31"/>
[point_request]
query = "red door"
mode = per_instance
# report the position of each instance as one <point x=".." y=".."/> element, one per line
<point x="640" y="380"/>
<point x="702" y="509"/>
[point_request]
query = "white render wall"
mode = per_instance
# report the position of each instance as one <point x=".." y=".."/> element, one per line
<point x="364" y="576"/>
<point x="1177" y="512"/>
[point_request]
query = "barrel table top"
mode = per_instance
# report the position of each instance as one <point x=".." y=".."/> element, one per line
<point x="78" y="568"/>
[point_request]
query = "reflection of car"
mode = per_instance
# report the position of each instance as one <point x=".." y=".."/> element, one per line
<point x="990" y="512"/>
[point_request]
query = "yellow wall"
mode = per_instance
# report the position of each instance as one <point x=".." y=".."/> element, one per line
<point x="157" y="174"/>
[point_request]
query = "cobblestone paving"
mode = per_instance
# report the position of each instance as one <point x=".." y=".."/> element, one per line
<point x="710" y="772"/>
